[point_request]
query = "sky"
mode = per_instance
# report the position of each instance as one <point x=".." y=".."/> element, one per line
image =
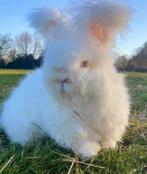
<point x="13" y="20"/>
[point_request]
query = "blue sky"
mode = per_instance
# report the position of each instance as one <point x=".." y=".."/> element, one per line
<point x="13" y="20"/>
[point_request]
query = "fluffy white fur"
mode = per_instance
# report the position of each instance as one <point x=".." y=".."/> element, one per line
<point x="76" y="97"/>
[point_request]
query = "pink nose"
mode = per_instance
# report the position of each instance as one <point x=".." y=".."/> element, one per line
<point x="65" y="81"/>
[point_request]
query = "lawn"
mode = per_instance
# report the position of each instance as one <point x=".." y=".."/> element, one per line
<point x="45" y="157"/>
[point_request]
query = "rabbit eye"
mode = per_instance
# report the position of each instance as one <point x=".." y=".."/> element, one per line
<point x="84" y="64"/>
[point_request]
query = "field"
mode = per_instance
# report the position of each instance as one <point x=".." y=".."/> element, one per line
<point x="45" y="157"/>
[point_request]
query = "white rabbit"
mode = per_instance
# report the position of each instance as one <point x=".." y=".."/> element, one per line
<point x="76" y="97"/>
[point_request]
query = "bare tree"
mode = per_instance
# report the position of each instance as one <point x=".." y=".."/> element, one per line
<point x="24" y="44"/>
<point x="11" y="56"/>
<point x="37" y="46"/>
<point x="139" y="60"/>
<point x="121" y="62"/>
<point x="27" y="44"/>
<point x="5" y="45"/>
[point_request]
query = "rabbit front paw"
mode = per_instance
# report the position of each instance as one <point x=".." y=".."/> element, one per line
<point x="87" y="149"/>
<point x="108" y="144"/>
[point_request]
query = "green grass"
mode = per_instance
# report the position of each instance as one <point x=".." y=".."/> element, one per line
<point x="46" y="157"/>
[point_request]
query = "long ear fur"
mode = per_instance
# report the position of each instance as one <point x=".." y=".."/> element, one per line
<point x="103" y="19"/>
<point x="44" y="19"/>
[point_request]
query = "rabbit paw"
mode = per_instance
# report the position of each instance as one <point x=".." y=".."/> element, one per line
<point x="108" y="144"/>
<point x="88" y="149"/>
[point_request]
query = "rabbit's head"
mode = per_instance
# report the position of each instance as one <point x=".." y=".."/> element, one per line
<point x="78" y="46"/>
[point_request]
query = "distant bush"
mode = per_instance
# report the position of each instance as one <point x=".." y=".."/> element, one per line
<point x="25" y="62"/>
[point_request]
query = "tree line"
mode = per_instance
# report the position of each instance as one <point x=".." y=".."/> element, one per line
<point x="25" y="52"/>
<point x="22" y="52"/>
<point x="137" y="62"/>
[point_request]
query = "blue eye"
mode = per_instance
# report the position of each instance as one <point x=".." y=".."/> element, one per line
<point x="84" y="64"/>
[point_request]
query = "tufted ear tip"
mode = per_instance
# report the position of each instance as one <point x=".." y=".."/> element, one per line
<point x="44" y="19"/>
<point x="103" y="19"/>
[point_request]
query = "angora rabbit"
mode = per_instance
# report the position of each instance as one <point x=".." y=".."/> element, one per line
<point x="76" y="97"/>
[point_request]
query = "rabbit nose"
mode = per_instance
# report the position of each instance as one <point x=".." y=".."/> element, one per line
<point x="66" y="80"/>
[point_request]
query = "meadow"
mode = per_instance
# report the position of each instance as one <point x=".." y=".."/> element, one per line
<point x="46" y="157"/>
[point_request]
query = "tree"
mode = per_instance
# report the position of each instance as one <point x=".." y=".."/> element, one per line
<point x="122" y="62"/>
<point x="28" y="44"/>
<point x="139" y="60"/>
<point x="25" y="52"/>
<point x="5" y="45"/>
<point x="24" y="44"/>
<point x="37" y="46"/>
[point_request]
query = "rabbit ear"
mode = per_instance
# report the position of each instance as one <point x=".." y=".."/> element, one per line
<point x="98" y="31"/>
<point x="103" y="19"/>
<point x="44" y="20"/>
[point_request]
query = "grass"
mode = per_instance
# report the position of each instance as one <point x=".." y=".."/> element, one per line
<point x="13" y="72"/>
<point x="46" y="157"/>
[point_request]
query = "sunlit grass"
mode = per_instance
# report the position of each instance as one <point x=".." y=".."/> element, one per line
<point x="11" y="71"/>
